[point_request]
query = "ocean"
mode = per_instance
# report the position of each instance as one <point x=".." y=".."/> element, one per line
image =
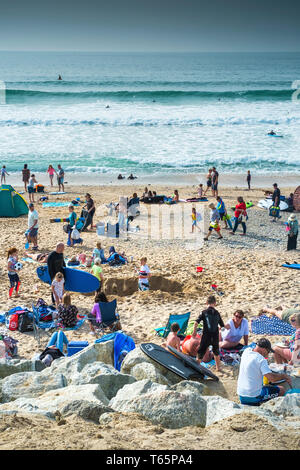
<point x="149" y="114"/>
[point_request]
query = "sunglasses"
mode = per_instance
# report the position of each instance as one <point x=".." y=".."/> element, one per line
<point x="293" y="319"/>
<point x="238" y="316"/>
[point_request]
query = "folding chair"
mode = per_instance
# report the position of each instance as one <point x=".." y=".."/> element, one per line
<point x="41" y="325"/>
<point x="109" y="316"/>
<point x="182" y="320"/>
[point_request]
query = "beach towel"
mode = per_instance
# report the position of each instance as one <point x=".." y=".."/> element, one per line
<point x="108" y="337"/>
<point x="264" y="325"/>
<point x="123" y="344"/>
<point x="56" y="204"/>
<point x="28" y="260"/>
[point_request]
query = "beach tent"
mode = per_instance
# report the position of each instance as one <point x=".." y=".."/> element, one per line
<point x="296" y="199"/>
<point x="12" y="204"/>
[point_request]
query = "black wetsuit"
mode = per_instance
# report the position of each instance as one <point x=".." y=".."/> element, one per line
<point x="210" y="336"/>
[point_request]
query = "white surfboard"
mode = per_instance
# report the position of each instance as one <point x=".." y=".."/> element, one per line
<point x="267" y="203"/>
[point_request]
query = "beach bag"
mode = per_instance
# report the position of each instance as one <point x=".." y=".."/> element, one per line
<point x="25" y="323"/>
<point x="13" y="322"/>
<point x="75" y="235"/>
<point x="10" y="346"/>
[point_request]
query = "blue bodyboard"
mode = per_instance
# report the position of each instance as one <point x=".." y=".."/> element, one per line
<point x="75" y="279"/>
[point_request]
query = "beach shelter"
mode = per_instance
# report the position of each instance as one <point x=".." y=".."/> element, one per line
<point x="296" y="199"/>
<point x="12" y="204"/>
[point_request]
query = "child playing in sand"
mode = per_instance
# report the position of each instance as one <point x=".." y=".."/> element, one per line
<point x="98" y="252"/>
<point x="144" y="275"/>
<point x="214" y="222"/>
<point x="3" y="174"/>
<point x="172" y="338"/>
<point x="57" y="288"/>
<point x="12" y="257"/>
<point x="200" y="190"/>
<point x="211" y="318"/>
<point x="97" y="271"/>
<point x="195" y="217"/>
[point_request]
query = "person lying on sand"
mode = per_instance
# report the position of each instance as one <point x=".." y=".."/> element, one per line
<point x="191" y="344"/>
<point x="40" y="257"/>
<point x="289" y="353"/>
<point x="172" y="338"/>
<point x="283" y="314"/>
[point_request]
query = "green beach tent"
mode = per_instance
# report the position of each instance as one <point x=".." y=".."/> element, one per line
<point x="12" y="204"/>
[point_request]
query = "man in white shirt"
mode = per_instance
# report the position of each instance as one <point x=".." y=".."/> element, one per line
<point x="33" y="226"/>
<point x="253" y="368"/>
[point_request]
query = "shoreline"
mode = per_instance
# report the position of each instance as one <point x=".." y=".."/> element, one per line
<point x="234" y="180"/>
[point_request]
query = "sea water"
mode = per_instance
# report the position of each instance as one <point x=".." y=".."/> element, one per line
<point x="149" y="114"/>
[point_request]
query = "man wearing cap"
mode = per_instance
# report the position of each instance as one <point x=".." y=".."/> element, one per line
<point x="33" y="226"/>
<point x="253" y="368"/>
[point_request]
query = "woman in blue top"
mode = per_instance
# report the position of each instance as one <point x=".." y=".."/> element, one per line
<point x="223" y="212"/>
<point x="72" y="224"/>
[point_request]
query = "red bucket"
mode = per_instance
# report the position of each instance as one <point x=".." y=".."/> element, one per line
<point x="199" y="269"/>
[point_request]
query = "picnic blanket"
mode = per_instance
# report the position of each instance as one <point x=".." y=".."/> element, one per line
<point x="263" y="325"/>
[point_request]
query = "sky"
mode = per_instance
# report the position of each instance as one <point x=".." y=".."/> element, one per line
<point x="151" y="25"/>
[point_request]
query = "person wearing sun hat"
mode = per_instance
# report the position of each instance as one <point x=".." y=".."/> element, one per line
<point x="292" y="229"/>
<point x="253" y="368"/>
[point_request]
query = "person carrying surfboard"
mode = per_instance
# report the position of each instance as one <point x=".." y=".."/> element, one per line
<point x="211" y="319"/>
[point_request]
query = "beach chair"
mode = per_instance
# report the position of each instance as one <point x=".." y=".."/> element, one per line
<point x="39" y="325"/>
<point x="109" y="316"/>
<point x="181" y="319"/>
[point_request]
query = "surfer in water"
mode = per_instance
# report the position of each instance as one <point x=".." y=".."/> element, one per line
<point x="272" y="132"/>
<point x="59" y="77"/>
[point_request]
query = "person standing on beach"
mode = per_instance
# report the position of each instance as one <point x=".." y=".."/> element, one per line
<point x="240" y="215"/>
<point x="214" y="222"/>
<point x="276" y="198"/>
<point x="33" y="226"/>
<point x="215" y="182"/>
<point x="60" y="178"/>
<point x="56" y="263"/>
<point x="30" y="188"/>
<point x="208" y="180"/>
<point x="51" y="172"/>
<point x="25" y="176"/>
<point x="292" y="229"/>
<point x="3" y="174"/>
<point x="249" y="179"/>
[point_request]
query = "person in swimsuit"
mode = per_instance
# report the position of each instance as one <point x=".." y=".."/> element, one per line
<point x="51" y="172"/>
<point x="208" y="180"/>
<point x="25" y="176"/>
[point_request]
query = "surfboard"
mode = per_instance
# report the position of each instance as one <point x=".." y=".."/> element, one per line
<point x="75" y="279"/>
<point x="292" y="266"/>
<point x="248" y="205"/>
<point x="189" y="361"/>
<point x="54" y="193"/>
<point x="275" y="135"/>
<point x="170" y="362"/>
<point x="267" y="203"/>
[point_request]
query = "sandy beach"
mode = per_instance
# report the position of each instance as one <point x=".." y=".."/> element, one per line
<point x="247" y="269"/>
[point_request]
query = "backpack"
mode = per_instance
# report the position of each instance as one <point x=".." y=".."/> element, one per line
<point x="13" y="322"/>
<point x="25" y="323"/>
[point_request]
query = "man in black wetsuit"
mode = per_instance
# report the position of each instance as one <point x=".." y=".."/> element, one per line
<point x="56" y="262"/>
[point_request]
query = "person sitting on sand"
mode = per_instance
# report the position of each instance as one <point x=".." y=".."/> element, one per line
<point x="67" y="313"/>
<point x="98" y="252"/>
<point x="285" y="354"/>
<point x="55" y="348"/>
<point x="74" y="261"/>
<point x="214" y="222"/>
<point x="172" y="338"/>
<point x="191" y="344"/>
<point x="235" y="329"/>
<point x="211" y="318"/>
<point x="175" y="196"/>
<point x="253" y="368"/>
<point x="94" y="317"/>
<point x="97" y="271"/>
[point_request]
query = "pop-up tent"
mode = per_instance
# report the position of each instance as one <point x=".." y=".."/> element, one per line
<point x="12" y="204"/>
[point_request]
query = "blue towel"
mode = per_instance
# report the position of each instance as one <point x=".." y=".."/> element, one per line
<point x="105" y="338"/>
<point x="56" y="204"/>
<point x="264" y="325"/>
<point x="122" y="345"/>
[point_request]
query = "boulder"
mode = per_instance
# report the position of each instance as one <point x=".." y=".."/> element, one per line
<point x="110" y="380"/>
<point x="13" y="366"/>
<point x="218" y="408"/>
<point x="287" y="406"/>
<point x="162" y="405"/>
<point x="87" y="401"/>
<point x="29" y="384"/>
<point x="136" y="361"/>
